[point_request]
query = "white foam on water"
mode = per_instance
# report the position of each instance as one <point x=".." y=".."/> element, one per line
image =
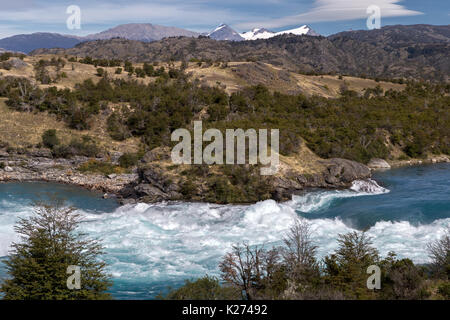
<point x="164" y="241"/>
<point x="314" y="201"/>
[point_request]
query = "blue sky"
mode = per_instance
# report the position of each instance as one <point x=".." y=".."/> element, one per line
<point x="325" y="16"/>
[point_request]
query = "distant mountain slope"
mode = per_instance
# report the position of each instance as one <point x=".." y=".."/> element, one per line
<point x="41" y="40"/>
<point x="29" y="42"/>
<point x="141" y="32"/>
<point x="400" y="34"/>
<point x="146" y="32"/>
<point x="384" y="54"/>
<point x="225" y="32"/>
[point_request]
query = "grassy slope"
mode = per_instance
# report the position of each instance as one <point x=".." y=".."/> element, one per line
<point x="22" y="129"/>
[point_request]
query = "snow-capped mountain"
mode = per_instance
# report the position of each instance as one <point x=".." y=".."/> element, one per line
<point x="262" y="33"/>
<point x="257" y="34"/>
<point x="225" y="32"/>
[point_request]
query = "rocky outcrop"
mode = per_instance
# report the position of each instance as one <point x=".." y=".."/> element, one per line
<point x="338" y="173"/>
<point x="378" y="164"/>
<point x="37" y="165"/>
<point x="153" y="186"/>
<point x="342" y="172"/>
<point x="155" y="182"/>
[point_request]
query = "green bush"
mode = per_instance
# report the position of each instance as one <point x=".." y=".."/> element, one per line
<point x="206" y="288"/>
<point x="444" y="290"/>
<point x="50" y="139"/>
<point x="128" y="160"/>
<point x="85" y="146"/>
<point x="100" y="72"/>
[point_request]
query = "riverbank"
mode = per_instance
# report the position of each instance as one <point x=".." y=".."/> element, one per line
<point x="417" y="162"/>
<point x="41" y="167"/>
<point x="155" y="179"/>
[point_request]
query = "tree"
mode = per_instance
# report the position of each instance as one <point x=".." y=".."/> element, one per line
<point x="257" y="272"/>
<point x="242" y="267"/>
<point x="439" y="252"/>
<point x="37" y="265"/>
<point x="299" y="253"/>
<point x="346" y="269"/>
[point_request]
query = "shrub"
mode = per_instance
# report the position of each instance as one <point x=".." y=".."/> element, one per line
<point x="128" y="160"/>
<point x="403" y="281"/>
<point x="116" y="128"/>
<point x="100" y="72"/>
<point x="85" y="146"/>
<point x="206" y="288"/>
<point x="444" y="290"/>
<point x="50" y="139"/>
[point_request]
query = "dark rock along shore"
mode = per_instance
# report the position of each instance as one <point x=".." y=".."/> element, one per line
<point x="151" y="184"/>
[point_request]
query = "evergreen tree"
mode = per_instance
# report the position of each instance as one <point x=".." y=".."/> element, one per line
<point x="38" y="263"/>
<point x="346" y="269"/>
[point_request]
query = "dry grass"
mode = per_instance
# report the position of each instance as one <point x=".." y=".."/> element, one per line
<point x="22" y="129"/>
<point x="232" y="78"/>
<point x="327" y="86"/>
<point x="304" y="161"/>
<point x="25" y="129"/>
<point x="214" y="76"/>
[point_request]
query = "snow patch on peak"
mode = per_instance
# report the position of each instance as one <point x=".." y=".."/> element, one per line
<point x="220" y="27"/>
<point x="257" y="33"/>
<point x="297" y="31"/>
<point x="261" y="33"/>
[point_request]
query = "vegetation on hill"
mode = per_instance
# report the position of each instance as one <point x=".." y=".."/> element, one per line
<point x="150" y="101"/>
<point x="356" y="127"/>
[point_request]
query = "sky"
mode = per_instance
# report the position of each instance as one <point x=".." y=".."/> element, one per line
<point x="324" y="16"/>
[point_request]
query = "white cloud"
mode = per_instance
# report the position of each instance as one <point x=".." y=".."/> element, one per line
<point x="168" y="14"/>
<point x="336" y="10"/>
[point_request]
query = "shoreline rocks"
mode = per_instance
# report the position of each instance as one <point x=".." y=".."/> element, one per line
<point x="378" y="164"/>
<point x="23" y="168"/>
<point x="151" y="183"/>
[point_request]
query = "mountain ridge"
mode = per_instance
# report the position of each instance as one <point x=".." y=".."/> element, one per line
<point x="353" y="53"/>
<point x="141" y="32"/>
<point x="146" y="32"/>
